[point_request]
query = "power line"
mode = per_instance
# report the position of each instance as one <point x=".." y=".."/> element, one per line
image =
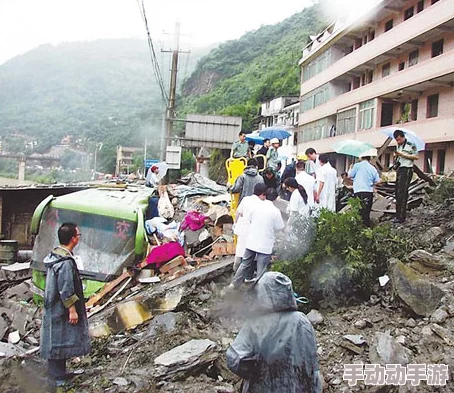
<point x="154" y="60"/>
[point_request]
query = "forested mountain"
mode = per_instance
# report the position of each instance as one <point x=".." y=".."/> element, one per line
<point x="100" y="91"/>
<point x="236" y="76"/>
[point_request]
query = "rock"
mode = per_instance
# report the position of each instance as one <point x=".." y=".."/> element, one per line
<point x="427" y="259"/>
<point x="356" y="339"/>
<point x="120" y="381"/>
<point x="400" y="340"/>
<point x="224" y="389"/>
<point x="430" y="236"/>
<point x="426" y="331"/>
<point x="315" y="317"/>
<point x="439" y="315"/>
<point x="441" y="332"/>
<point x="185" y="359"/>
<point x="351" y="347"/>
<point x="7" y="350"/>
<point x="14" y="337"/>
<point x="3" y="327"/>
<point x="385" y="350"/>
<point x="420" y="295"/>
<point x="360" y="324"/>
<point x="411" y="323"/>
<point x="165" y="322"/>
<point x="19" y="292"/>
<point x="336" y="381"/>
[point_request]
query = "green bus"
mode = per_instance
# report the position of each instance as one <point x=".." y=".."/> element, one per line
<point x="113" y="237"/>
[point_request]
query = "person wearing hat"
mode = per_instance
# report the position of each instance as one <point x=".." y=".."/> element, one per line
<point x="265" y="221"/>
<point x="272" y="160"/>
<point x="365" y="176"/>
<point x="153" y="177"/>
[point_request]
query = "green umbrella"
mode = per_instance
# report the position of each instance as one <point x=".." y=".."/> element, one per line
<point x="355" y="148"/>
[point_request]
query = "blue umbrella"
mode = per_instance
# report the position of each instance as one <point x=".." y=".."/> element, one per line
<point x="274" y="132"/>
<point x="254" y="137"/>
<point x="410" y="135"/>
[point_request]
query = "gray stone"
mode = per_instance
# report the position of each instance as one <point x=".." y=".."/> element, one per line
<point x="429" y="237"/>
<point x="400" y="340"/>
<point x="360" y="324"/>
<point x="411" y="323"/>
<point x="356" y="339"/>
<point x="224" y="389"/>
<point x="8" y="350"/>
<point x="315" y="317"/>
<point x="441" y="332"/>
<point x="422" y="296"/>
<point x="19" y="292"/>
<point x="385" y="350"/>
<point x="183" y="360"/>
<point x="3" y="327"/>
<point x="426" y="331"/>
<point x="427" y="259"/>
<point x="119" y="381"/>
<point x="164" y="322"/>
<point x="439" y="315"/>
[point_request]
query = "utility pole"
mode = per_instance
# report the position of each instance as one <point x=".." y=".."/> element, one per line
<point x="170" y="111"/>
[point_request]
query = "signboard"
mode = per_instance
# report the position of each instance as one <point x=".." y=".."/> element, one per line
<point x="173" y="157"/>
<point x="148" y="163"/>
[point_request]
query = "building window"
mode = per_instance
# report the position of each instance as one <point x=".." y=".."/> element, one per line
<point x="401" y="66"/>
<point x="408" y="13"/>
<point x="414" y="110"/>
<point x="356" y="82"/>
<point x="367" y="77"/>
<point x="386" y="69"/>
<point x="389" y="25"/>
<point x="434" y="1"/>
<point x="413" y="58"/>
<point x="366" y="114"/>
<point x="358" y="43"/>
<point x="420" y="6"/>
<point x="437" y="48"/>
<point x="371" y="35"/>
<point x="346" y="122"/>
<point x="441" y="158"/>
<point x="428" y="157"/>
<point x="432" y="106"/>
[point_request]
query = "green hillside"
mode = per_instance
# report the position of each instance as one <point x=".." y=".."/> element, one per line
<point x="100" y="91"/>
<point x="235" y="77"/>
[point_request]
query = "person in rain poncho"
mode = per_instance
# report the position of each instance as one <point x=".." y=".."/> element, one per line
<point x="245" y="183"/>
<point x="153" y="177"/>
<point x="275" y="350"/>
<point x="272" y="156"/>
<point x="326" y="177"/>
<point x="64" y="331"/>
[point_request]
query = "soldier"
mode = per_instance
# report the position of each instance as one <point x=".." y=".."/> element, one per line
<point x="405" y="156"/>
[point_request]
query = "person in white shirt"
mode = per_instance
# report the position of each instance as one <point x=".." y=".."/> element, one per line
<point x="326" y="177"/>
<point x="307" y="181"/>
<point x="313" y="164"/>
<point x="153" y="177"/>
<point x="241" y="228"/>
<point x="298" y="204"/>
<point x="265" y="220"/>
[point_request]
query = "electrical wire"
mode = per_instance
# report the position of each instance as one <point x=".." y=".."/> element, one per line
<point x="154" y="60"/>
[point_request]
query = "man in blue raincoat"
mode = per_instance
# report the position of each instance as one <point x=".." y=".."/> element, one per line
<point x="275" y="351"/>
<point x="64" y="331"/>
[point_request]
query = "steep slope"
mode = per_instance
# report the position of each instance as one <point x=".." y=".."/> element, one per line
<point x="236" y="76"/>
<point x="100" y="91"/>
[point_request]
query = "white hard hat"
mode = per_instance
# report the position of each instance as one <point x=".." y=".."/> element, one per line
<point x="274" y="140"/>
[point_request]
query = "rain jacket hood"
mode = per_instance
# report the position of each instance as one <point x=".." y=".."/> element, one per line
<point x="245" y="183"/>
<point x="275" y="351"/>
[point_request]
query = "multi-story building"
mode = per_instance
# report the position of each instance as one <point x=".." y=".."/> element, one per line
<point x="394" y="66"/>
<point x="282" y="112"/>
<point x="125" y="158"/>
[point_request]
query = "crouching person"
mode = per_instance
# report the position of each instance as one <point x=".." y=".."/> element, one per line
<point x="64" y="331"/>
<point x="275" y="351"/>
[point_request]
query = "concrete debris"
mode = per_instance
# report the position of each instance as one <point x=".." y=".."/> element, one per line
<point x="431" y="236"/>
<point x="422" y="296"/>
<point x="165" y="323"/>
<point x="362" y="324"/>
<point x="351" y="347"/>
<point x="439" y="315"/>
<point x="186" y="359"/>
<point x="411" y="323"/>
<point x="20" y="292"/>
<point x="315" y="317"/>
<point x="385" y="350"/>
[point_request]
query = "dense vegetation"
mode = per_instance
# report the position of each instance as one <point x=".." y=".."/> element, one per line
<point x="101" y="91"/>
<point x="236" y="76"/>
<point x="345" y="257"/>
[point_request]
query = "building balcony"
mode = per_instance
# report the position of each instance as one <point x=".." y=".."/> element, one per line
<point x="417" y="79"/>
<point x="410" y="33"/>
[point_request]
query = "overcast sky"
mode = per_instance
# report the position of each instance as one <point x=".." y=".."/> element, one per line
<point x="26" y="24"/>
